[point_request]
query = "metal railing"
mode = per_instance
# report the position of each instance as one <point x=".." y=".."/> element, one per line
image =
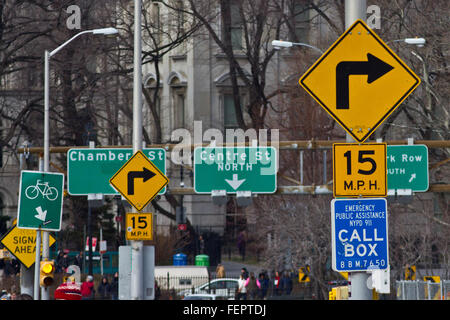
<point x="423" y="290"/>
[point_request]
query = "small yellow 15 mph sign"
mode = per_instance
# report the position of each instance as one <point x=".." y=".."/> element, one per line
<point x="359" y="170"/>
<point x="139" y="226"/>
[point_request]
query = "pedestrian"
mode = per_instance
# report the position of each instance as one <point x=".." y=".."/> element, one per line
<point x="264" y="282"/>
<point x="115" y="287"/>
<point x="285" y="283"/>
<point x="87" y="288"/>
<point x="79" y="260"/>
<point x="58" y="260"/>
<point x="220" y="271"/>
<point x="201" y="244"/>
<point x="104" y="289"/>
<point x="157" y="291"/>
<point x="244" y="272"/>
<point x="276" y="284"/>
<point x="64" y="263"/>
<point x="253" y="287"/>
<point x="241" y="243"/>
<point x="241" y="293"/>
<point x="23" y="296"/>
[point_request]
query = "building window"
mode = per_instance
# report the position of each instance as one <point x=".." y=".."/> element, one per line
<point x="229" y="112"/>
<point x="236" y="27"/>
<point x="155" y="23"/>
<point x="299" y="21"/>
<point x="179" y="108"/>
<point x="178" y="84"/>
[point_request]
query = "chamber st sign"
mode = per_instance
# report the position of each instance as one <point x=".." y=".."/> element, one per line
<point x="89" y="170"/>
<point x="235" y="169"/>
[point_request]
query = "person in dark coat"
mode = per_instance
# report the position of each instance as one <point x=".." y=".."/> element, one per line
<point x="286" y="283"/>
<point x="264" y="281"/>
<point x="115" y="287"/>
<point x="104" y="289"/>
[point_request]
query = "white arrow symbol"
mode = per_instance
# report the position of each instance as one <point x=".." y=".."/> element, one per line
<point x="413" y="176"/>
<point x="41" y="214"/>
<point x="235" y="183"/>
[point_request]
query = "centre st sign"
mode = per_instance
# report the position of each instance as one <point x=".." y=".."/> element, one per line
<point x="89" y="170"/>
<point x="359" y="234"/>
<point x="235" y="169"/>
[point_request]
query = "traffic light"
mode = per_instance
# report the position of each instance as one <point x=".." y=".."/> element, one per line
<point x="47" y="273"/>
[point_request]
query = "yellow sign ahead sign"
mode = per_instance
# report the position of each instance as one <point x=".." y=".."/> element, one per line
<point x="139" y="180"/>
<point x="22" y="244"/>
<point x="139" y="226"/>
<point x="359" y="81"/>
<point x="359" y="169"/>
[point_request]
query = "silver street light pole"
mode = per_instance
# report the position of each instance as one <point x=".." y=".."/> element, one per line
<point x="354" y="10"/>
<point x="48" y="55"/>
<point x="137" y="247"/>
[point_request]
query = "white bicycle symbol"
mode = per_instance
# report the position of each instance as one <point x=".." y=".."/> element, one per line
<point x="51" y="193"/>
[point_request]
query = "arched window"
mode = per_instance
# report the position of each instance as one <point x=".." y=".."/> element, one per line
<point x="227" y="101"/>
<point x="178" y="84"/>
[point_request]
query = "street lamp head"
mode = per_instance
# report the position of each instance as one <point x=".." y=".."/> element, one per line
<point x="105" y="31"/>
<point x="281" y="44"/>
<point x="417" y="41"/>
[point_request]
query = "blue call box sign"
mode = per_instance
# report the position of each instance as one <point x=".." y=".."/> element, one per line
<point x="359" y="233"/>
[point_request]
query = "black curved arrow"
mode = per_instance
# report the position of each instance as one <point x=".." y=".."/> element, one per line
<point x="374" y="68"/>
<point x="144" y="174"/>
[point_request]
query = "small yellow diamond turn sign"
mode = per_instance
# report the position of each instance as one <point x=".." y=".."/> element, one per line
<point x="139" y="180"/>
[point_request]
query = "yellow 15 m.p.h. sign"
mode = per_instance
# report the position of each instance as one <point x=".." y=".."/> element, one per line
<point x="359" y="170"/>
<point x="139" y="226"/>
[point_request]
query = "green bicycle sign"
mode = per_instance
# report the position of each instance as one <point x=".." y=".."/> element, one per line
<point x="41" y="188"/>
<point x="40" y="200"/>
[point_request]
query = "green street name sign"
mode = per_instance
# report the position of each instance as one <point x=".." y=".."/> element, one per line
<point x="89" y="170"/>
<point x="235" y="169"/>
<point x="407" y="167"/>
<point x="40" y="200"/>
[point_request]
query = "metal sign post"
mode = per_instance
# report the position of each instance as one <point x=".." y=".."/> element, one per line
<point x="354" y="10"/>
<point x="36" y="265"/>
<point x="137" y="247"/>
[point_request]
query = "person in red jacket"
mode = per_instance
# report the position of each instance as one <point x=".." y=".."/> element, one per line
<point x="87" y="288"/>
<point x="276" y="284"/>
